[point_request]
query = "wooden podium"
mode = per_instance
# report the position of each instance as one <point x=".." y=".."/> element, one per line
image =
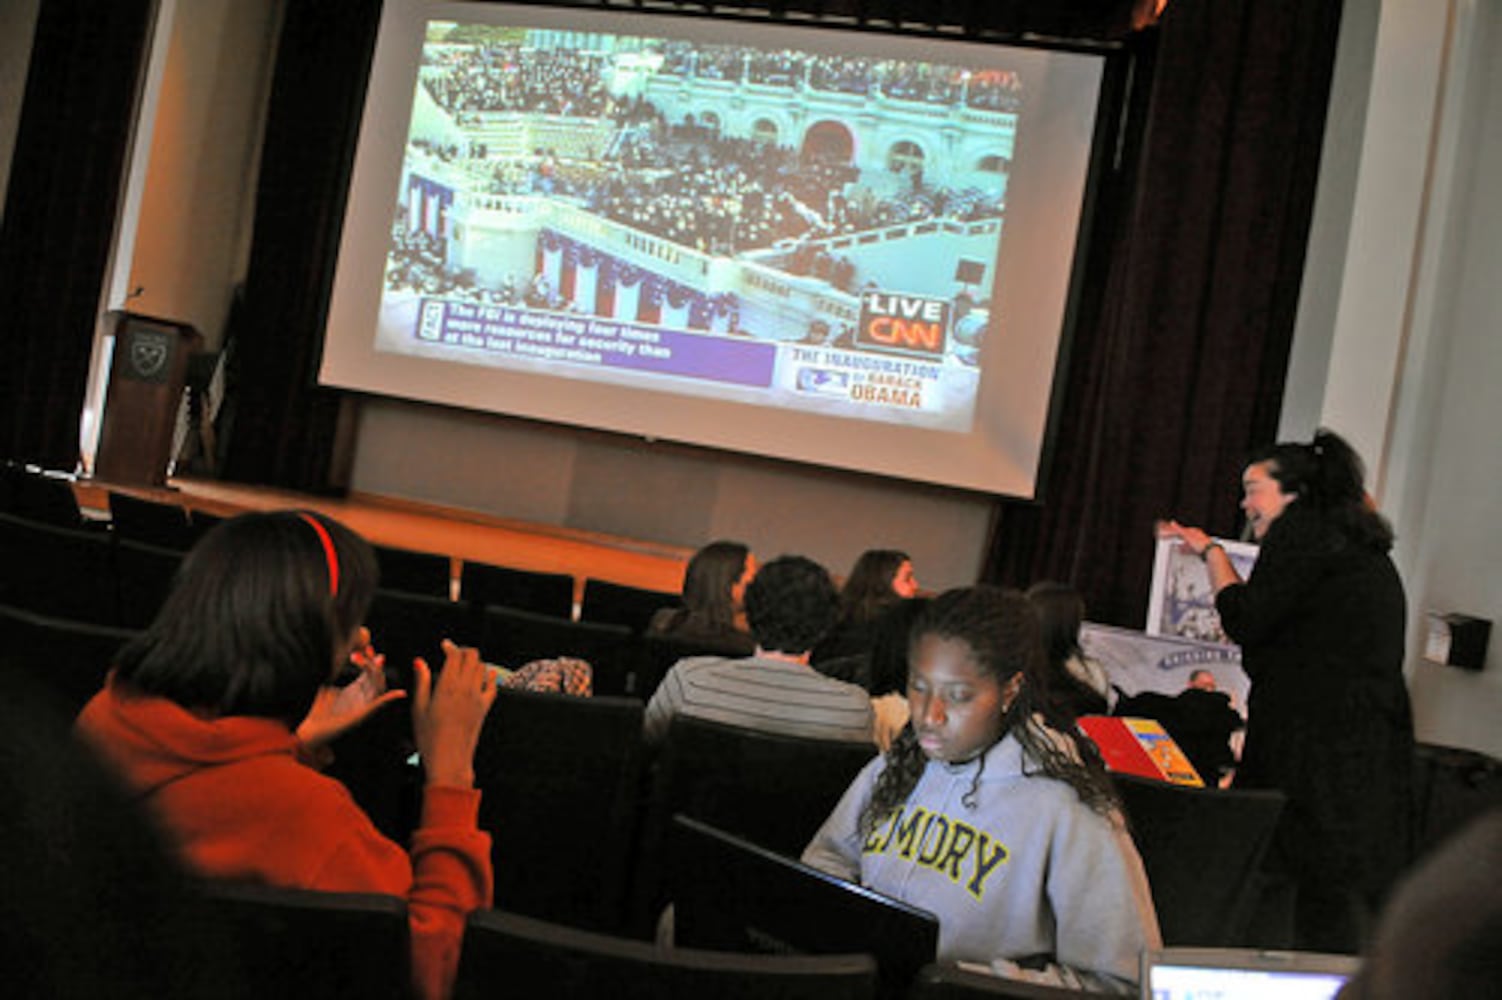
<point x="147" y="374"/>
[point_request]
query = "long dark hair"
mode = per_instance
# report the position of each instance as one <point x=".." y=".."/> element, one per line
<point x="707" y="582"/>
<point x="1061" y="613"/>
<point x="255" y="617"/>
<point x="868" y="589"/>
<point x="889" y="647"/>
<point x="1329" y="478"/>
<point x="1002" y="631"/>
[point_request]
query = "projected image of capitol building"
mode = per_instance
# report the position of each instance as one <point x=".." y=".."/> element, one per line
<point x="724" y="194"/>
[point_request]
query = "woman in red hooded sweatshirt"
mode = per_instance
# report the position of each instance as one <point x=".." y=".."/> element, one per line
<point x="212" y="713"/>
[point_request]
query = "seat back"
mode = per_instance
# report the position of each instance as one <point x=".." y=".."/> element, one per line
<point x="771" y="789"/>
<point x="371" y="759"/>
<point x="404" y="624"/>
<point x="521" y="956"/>
<point x="618" y="604"/>
<point x="58" y="572"/>
<point x="512" y="638"/>
<point x="166" y="525"/>
<point x="1202" y="848"/>
<point x="144" y="575"/>
<point x="561" y="779"/>
<point x="68" y="659"/>
<point x="485" y="585"/>
<point x="414" y="572"/>
<point x="39" y="496"/>
<point x="302" y="943"/>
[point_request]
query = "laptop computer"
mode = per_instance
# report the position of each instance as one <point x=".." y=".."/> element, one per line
<point x="732" y="895"/>
<point x="1243" y="974"/>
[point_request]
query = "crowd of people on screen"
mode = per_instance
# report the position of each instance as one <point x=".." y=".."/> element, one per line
<point x="685" y="180"/>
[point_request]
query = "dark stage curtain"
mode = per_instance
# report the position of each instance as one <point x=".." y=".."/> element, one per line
<point x="284" y="430"/>
<point x="1178" y="362"/>
<point x="59" y="220"/>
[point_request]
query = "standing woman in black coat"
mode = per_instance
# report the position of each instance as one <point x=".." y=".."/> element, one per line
<point x="1320" y="621"/>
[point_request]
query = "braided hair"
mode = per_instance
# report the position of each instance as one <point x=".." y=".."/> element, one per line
<point x="1002" y="631"/>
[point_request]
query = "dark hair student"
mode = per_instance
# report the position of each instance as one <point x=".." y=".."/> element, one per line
<point x="714" y="589"/>
<point x="981" y="776"/>
<point x="791" y="604"/>
<point x="260" y="607"/>
<point x="1077" y="684"/>
<point x="212" y="715"/>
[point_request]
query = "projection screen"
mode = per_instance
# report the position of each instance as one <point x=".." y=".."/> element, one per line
<point x="830" y="246"/>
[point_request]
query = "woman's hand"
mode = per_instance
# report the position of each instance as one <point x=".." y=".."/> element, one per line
<point x="1194" y="539"/>
<point x="337" y="710"/>
<point x="447" y="715"/>
<point x="1217" y="562"/>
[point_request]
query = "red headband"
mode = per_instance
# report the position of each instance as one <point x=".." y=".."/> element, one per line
<point x="330" y="554"/>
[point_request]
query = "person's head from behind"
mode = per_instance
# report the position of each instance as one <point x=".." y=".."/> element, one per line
<point x="971" y="654"/>
<point x="879" y="579"/>
<point x="1061" y="612"/>
<point x="791" y="605"/>
<point x="1202" y="680"/>
<point x="714" y="584"/>
<point x="262" y="612"/>
<point x="889" y="647"/>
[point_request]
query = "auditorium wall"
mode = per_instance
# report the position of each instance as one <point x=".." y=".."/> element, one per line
<point x="663" y="492"/>
<point x="191" y="246"/>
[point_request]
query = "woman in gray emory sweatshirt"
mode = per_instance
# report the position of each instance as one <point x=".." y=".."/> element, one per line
<point x="994" y="815"/>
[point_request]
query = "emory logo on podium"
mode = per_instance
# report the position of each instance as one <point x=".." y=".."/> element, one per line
<point x="150" y="350"/>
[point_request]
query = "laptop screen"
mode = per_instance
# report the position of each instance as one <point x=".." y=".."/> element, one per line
<point x="732" y="895"/>
<point x="1243" y="974"/>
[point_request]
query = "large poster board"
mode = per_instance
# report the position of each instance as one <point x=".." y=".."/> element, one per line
<point x="1182" y="602"/>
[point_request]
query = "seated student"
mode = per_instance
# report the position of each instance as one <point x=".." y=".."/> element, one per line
<point x="889" y="668"/>
<point x="1203" y="723"/>
<point x="789" y="605"/>
<point x="1077" y="683"/>
<point x="990" y="813"/>
<point x="714" y="591"/>
<point x="201" y="718"/>
<point x="879" y="580"/>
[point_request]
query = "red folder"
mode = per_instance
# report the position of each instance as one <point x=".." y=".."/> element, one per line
<point x="1140" y="747"/>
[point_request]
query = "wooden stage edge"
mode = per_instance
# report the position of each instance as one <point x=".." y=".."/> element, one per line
<point x="410" y="524"/>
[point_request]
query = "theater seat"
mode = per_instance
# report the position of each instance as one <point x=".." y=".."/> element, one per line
<point x="483" y="585"/>
<point x="302" y="943"/>
<point x="561" y="780"/>
<point x="618" y="604"/>
<point x="1202" y="848"/>
<point x="772" y="789"/>
<point x="509" y="955"/>
<point x="413" y="572"/>
<point x="66" y="658"/>
<point x="60" y="572"/>
<point x="166" y="525"/>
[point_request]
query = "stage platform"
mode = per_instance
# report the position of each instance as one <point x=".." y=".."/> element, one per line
<point x="459" y="534"/>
